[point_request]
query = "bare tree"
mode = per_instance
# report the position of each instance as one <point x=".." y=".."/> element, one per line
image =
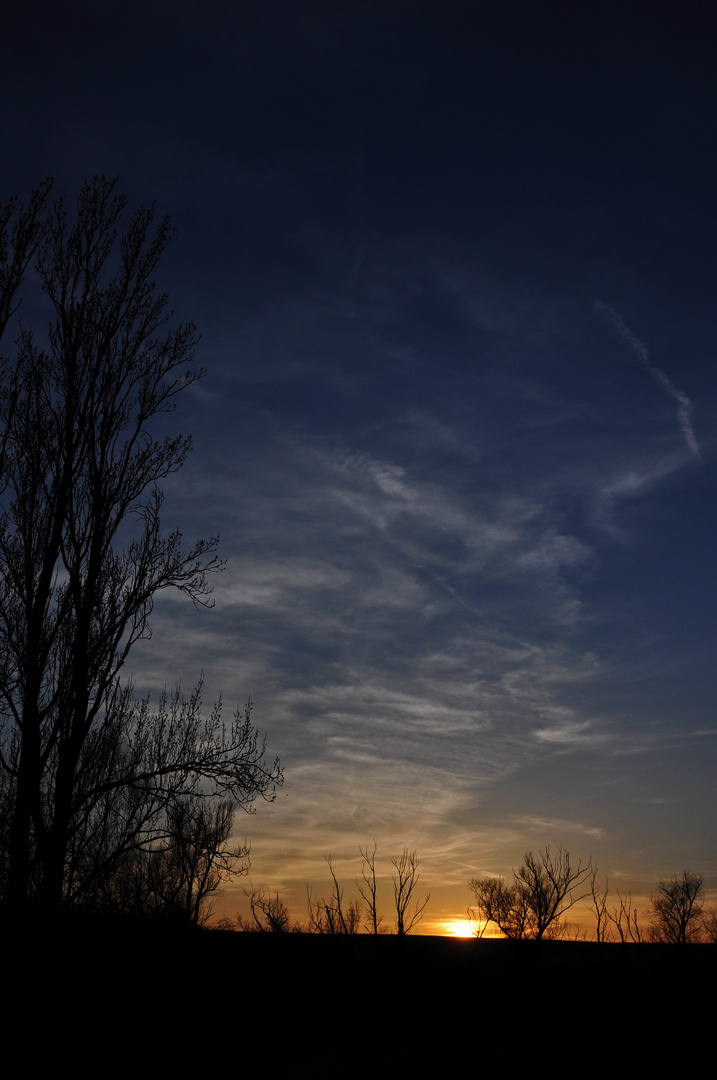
<point x="79" y="473"/>
<point x="543" y="889"/>
<point x="140" y="803"/>
<point x="621" y="923"/>
<point x="269" y="913"/>
<point x="368" y="889"/>
<point x="352" y="917"/>
<point x="198" y="857"/>
<point x="500" y="903"/>
<point x="405" y="882"/>
<point x="549" y="883"/>
<point x="598" y="898"/>
<point x="710" y="925"/>
<point x="332" y="916"/>
<point x="176" y="875"/>
<point x="677" y="909"/>
<point x="624" y="917"/>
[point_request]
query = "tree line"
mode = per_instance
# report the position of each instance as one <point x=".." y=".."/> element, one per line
<point x="332" y="914"/>
<point x="532" y="906"/>
<point x="548" y="885"/>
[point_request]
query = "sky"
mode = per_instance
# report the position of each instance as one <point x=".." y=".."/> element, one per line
<point x="453" y="266"/>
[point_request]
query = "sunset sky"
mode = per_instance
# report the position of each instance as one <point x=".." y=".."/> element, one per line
<point x="454" y="266"/>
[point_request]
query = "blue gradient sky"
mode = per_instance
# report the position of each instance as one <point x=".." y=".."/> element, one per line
<point x="454" y="269"/>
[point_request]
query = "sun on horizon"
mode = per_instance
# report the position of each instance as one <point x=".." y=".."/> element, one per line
<point x="456" y="928"/>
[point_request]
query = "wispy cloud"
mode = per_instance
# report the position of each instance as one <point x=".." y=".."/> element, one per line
<point x="408" y="603"/>
<point x="558" y="827"/>
<point x="684" y="412"/>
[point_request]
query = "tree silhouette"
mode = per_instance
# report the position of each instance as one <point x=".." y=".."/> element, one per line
<point x="269" y="913"/>
<point x="405" y="882"/>
<point x="677" y="909"/>
<point x="542" y="890"/>
<point x="82" y="554"/>
<point x="368" y="890"/>
<point x="333" y="916"/>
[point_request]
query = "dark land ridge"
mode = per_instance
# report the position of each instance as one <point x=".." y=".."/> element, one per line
<point x="209" y="998"/>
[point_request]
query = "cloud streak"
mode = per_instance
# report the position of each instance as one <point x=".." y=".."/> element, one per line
<point x="684" y="412"/>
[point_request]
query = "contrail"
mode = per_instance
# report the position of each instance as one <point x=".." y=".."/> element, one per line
<point x="684" y="413"/>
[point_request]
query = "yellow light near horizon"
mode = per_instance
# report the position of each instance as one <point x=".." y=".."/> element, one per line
<point x="457" y="928"/>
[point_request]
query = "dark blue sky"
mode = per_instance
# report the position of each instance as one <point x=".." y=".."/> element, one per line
<point x="454" y="269"/>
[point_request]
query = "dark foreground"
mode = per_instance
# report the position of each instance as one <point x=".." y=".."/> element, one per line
<point x="145" y="999"/>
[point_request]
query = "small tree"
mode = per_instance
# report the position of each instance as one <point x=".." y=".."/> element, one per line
<point x="543" y="889"/>
<point x="624" y="917"/>
<point x="197" y="856"/>
<point x="178" y="874"/>
<point x="269" y="913"/>
<point x="598" y="897"/>
<point x="405" y="882"/>
<point x="368" y="889"/>
<point x="332" y="916"/>
<point x="140" y="806"/>
<point x="710" y="925"/>
<point x="500" y="903"/>
<point x="622" y="922"/>
<point x="677" y="909"/>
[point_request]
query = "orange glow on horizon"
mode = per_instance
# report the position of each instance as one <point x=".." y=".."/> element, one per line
<point x="456" y="928"/>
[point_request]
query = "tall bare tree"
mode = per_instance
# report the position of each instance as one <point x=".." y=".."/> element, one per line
<point x="82" y="554"/>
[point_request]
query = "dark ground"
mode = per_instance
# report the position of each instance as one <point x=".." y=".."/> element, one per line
<point x="141" y="998"/>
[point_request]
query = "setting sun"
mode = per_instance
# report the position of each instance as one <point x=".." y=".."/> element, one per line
<point x="457" y="928"/>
